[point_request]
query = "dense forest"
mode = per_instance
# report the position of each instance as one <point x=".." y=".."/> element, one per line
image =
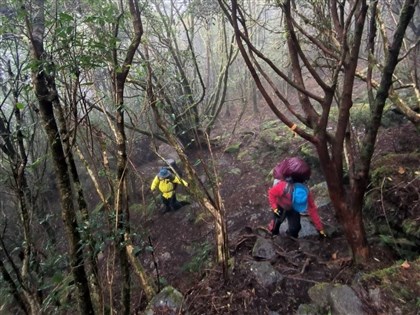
<point x="97" y="95"/>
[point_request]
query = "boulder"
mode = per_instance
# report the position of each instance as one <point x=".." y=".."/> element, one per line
<point x="265" y="274"/>
<point x="263" y="249"/>
<point x="168" y="301"/>
<point x="344" y="301"/>
<point x="309" y="309"/>
<point x="340" y="299"/>
<point x="319" y="294"/>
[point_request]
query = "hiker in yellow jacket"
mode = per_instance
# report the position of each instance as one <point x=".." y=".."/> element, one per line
<point x="166" y="182"/>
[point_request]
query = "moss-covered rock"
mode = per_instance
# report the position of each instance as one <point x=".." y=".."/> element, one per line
<point x="233" y="148"/>
<point x="168" y="301"/>
<point x="319" y="293"/>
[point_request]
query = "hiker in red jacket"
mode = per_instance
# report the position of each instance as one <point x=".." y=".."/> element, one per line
<point x="289" y="197"/>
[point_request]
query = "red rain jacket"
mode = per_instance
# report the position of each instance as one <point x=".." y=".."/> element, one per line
<point x="275" y="194"/>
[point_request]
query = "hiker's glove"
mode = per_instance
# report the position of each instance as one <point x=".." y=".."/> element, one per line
<point x="322" y="233"/>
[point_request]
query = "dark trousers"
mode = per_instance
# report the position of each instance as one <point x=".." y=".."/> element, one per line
<point x="171" y="204"/>
<point x="293" y="220"/>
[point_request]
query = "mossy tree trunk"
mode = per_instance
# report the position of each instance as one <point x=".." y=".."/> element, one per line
<point x="46" y="92"/>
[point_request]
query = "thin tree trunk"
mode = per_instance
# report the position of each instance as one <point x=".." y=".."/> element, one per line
<point x="66" y="195"/>
<point x="91" y="261"/>
<point x="146" y="283"/>
<point x="122" y="228"/>
<point x="20" y="300"/>
<point x="46" y="93"/>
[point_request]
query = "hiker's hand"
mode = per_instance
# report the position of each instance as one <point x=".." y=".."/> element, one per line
<point x="322" y="233"/>
<point x="276" y="212"/>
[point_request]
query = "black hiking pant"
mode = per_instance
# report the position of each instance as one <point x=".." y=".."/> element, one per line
<point x="293" y="220"/>
<point x="171" y="204"/>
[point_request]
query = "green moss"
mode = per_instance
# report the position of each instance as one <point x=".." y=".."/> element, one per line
<point x="398" y="284"/>
<point x="380" y="173"/>
<point x="234" y="148"/>
<point x="270" y="124"/>
<point x="235" y="170"/>
<point x="381" y="273"/>
<point x="390" y="164"/>
<point x="243" y="154"/>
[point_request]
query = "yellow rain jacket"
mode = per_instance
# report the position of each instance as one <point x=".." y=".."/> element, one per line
<point x="166" y="185"/>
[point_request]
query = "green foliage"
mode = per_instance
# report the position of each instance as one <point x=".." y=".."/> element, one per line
<point x="270" y="124"/>
<point x="60" y="294"/>
<point x="20" y="106"/>
<point x="411" y="227"/>
<point x="201" y="257"/>
<point x="163" y="282"/>
<point x="390" y="240"/>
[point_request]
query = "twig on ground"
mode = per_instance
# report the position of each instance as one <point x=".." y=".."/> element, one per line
<point x="287" y="258"/>
<point x="284" y="268"/>
<point x="243" y="239"/>
<point x="339" y="273"/>
<point x="305" y="265"/>
<point x="301" y="279"/>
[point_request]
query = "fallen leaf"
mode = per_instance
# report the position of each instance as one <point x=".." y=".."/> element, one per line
<point x="334" y="256"/>
<point x="405" y="265"/>
<point x="401" y="170"/>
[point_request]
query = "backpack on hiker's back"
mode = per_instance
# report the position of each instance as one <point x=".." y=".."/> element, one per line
<point x="300" y="197"/>
<point x="293" y="168"/>
<point x="295" y="196"/>
<point x="295" y="172"/>
<point x="173" y="168"/>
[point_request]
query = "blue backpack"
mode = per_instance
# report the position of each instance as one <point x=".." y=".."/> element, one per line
<point x="300" y="197"/>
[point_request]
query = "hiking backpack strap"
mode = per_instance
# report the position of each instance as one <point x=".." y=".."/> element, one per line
<point x="285" y="201"/>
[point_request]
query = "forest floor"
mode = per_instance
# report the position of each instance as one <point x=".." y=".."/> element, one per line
<point x="183" y="241"/>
